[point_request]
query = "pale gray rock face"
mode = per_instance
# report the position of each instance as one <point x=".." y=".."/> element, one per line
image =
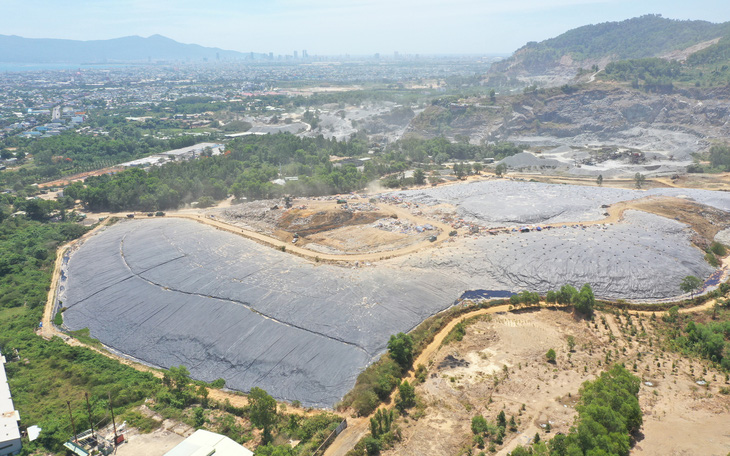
<point x="723" y="236"/>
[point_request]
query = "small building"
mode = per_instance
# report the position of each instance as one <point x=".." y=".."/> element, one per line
<point x="206" y="443"/>
<point x="9" y="417"/>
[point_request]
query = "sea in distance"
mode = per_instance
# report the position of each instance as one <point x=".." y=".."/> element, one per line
<point x="21" y="67"/>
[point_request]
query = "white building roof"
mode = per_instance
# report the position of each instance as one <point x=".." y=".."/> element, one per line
<point x="198" y="148"/>
<point x="9" y="417"/>
<point x="206" y="443"/>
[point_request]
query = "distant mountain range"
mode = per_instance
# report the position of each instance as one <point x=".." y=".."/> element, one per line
<point x="600" y="44"/>
<point x="15" y="49"/>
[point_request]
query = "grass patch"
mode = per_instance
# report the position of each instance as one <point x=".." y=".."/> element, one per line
<point x="718" y="249"/>
<point x="456" y="334"/>
<point x="144" y="424"/>
<point x="83" y="336"/>
<point x="459" y="331"/>
<point x="58" y="319"/>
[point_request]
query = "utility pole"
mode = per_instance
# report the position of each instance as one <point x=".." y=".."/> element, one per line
<point x="73" y="426"/>
<point x="114" y="424"/>
<point x="88" y="407"/>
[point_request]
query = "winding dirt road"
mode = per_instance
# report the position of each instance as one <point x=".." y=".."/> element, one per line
<point x="357" y="427"/>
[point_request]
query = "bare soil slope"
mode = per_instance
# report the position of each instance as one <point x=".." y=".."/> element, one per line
<point x="500" y="365"/>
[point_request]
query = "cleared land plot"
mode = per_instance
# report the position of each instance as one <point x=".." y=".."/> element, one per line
<point x="171" y="292"/>
<point x="500" y="365"/>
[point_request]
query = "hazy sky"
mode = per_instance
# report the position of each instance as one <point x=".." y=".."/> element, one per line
<point x="327" y="27"/>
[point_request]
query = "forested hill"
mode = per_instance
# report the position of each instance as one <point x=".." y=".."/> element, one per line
<point x="583" y="47"/>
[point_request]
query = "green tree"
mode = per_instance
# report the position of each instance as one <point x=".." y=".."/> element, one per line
<point x="585" y="300"/>
<point x="520" y="451"/>
<point x="419" y="177"/>
<point x="262" y="411"/>
<point x="372" y="446"/>
<point x="460" y="170"/>
<point x="198" y="417"/>
<point x="599" y="180"/>
<point x="551" y="297"/>
<point x="550" y="356"/>
<point x="406" y="396"/>
<point x="571" y="343"/>
<point x="179" y="377"/>
<point x="501" y="419"/>
<point x="492" y="95"/>
<point x="381" y="422"/>
<point x="567" y="295"/>
<point x="639" y="180"/>
<point x="690" y="284"/>
<point x="500" y="170"/>
<point x="400" y="348"/>
<point x="479" y="425"/>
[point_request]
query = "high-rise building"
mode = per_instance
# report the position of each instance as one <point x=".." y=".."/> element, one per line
<point x="296" y="54"/>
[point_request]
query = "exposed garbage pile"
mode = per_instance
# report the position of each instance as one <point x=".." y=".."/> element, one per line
<point x="402" y="226"/>
<point x="171" y="292"/>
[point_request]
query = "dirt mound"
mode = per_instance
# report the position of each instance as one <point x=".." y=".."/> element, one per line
<point x="307" y="222"/>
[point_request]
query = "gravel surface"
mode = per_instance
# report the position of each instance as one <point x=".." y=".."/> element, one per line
<point x="171" y="292"/>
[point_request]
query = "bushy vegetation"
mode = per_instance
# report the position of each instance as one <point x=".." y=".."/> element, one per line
<point x="440" y="150"/>
<point x="709" y="340"/>
<point x="608" y="413"/>
<point x="385" y="374"/>
<point x="70" y="153"/>
<point x="43" y="375"/>
<point x="245" y="171"/>
<point x="651" y="74"/>
<point x="583" y="301"/>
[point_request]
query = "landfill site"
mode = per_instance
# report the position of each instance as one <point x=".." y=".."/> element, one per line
<point x="303" y="306"/>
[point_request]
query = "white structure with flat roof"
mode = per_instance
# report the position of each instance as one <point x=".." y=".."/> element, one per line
<point x="206" y="443"/>
<point x="9" y="417"/>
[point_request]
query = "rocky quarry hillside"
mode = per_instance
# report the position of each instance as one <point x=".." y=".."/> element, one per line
<point x="600" y="114"/>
